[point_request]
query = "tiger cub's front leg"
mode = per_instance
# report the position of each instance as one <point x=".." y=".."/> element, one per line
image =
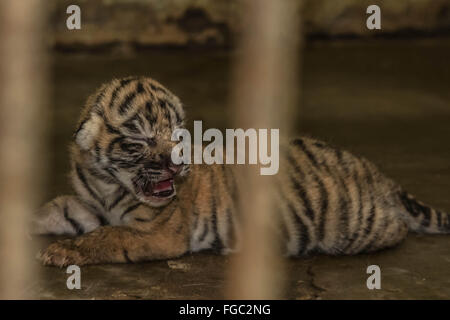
<point x="66" y="215"/>
<point x="164" y="236"/>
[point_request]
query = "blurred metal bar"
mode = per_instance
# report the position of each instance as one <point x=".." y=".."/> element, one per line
<point x="22" y="118"/>
<point x="265" y="89"/>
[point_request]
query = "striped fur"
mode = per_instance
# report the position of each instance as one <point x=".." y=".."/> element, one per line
<point x="329" y="201"/>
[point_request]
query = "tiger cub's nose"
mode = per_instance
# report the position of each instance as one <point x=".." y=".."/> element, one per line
<point x="172" y="167"/>
<point x="154" y="165"/>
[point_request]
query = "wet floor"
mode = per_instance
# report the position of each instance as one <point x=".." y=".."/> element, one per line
<point x="388" y="101"/>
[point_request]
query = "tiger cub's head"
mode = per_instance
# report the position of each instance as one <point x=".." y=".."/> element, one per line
<point x="124" y="137"/>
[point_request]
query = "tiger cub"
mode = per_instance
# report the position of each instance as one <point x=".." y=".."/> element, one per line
<point x="133" y="204"/>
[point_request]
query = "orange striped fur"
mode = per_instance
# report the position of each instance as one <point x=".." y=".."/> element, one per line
<point x="132" y="204"/>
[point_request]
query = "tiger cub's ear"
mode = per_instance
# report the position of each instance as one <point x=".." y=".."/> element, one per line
<point x="88" y="131"/>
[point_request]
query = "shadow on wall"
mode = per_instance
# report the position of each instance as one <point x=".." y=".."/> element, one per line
<point x="216" y="23"/>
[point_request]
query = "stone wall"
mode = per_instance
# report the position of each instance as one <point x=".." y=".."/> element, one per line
<point x="217" y="22"/>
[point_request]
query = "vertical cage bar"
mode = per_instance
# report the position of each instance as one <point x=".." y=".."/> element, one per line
<point x="22" y="119"/>
<point x="265" y="90"/>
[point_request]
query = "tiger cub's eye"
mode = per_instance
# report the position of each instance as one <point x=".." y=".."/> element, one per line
<point x="151" y="142"/>
<point x="131" y="147"/>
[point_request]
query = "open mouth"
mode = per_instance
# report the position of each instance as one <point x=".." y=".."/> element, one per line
<point x="161" y="189"/>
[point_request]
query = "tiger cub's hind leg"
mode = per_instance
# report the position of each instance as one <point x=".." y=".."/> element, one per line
<point x="390" y="231"/>
<point x="65" y="215"/>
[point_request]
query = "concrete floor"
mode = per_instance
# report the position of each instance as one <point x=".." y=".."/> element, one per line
<point x="387" y="100"/>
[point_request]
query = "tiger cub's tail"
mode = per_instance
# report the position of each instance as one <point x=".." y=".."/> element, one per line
<point x="422" y="218"/>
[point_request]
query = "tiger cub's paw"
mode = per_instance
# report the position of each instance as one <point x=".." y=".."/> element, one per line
<point x="62" y="254"/>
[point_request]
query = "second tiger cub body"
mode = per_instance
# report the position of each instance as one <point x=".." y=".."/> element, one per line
<point x="133" y="204"/>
